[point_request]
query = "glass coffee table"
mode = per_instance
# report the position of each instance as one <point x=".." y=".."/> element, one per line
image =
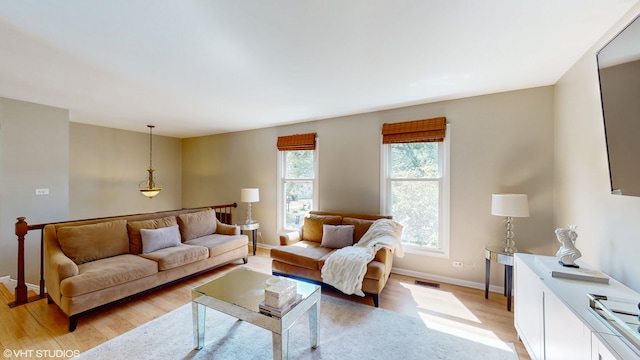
<point x="239" y="293"/>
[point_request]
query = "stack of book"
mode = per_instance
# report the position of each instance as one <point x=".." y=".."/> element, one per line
<point x="281" y="311"/>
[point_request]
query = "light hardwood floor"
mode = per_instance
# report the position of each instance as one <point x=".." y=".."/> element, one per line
<point x="41" y="326"/>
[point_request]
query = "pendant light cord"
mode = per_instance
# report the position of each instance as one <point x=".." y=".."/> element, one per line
<point x="151" y="146"/>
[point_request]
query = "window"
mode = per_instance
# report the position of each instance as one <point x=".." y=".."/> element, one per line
<point x="297" y="169"/>
<point x="415" y="186"/>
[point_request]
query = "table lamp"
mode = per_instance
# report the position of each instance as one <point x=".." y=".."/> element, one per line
<point x="249" y="196"/>
<point x="509" y="205"/>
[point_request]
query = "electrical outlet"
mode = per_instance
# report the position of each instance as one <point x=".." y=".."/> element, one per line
<point x="458" y="264"/>
<point x="42" y="191"/>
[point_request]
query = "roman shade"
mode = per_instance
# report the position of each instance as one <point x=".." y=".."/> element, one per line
<point x="297" y="142"/>
<point x="428" y="130"/>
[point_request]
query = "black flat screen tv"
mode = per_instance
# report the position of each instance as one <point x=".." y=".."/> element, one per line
<point x="619" y="76"/>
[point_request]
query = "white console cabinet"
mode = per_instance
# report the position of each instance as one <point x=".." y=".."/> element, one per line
<point x="565" y="335"/>
<point x="529" y="309"/>
<point x="552" y="316"/>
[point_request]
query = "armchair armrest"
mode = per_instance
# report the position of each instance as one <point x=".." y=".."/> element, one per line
<point x="290" y="237"/>
<point x="385" y="256"/>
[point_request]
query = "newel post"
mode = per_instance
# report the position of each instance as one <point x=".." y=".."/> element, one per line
<point x="21" y="288"/>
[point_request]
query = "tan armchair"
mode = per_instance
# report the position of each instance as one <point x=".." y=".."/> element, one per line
<point x="301" y="254"/>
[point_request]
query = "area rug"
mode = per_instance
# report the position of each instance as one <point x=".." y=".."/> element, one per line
<point x="348" y="331"/>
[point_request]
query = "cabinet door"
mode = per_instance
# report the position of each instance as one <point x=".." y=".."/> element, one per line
<point x="528" y="309"/>
<point x="566" y="337"/>
<point x="599" y="351"/>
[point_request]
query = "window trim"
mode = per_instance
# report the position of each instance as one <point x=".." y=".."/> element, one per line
<point x="280" y="218"/>
<point x="444" y="156"/>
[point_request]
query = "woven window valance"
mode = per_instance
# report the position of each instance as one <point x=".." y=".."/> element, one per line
<point x="428" y="130"/>
<point x="297" y="142"/>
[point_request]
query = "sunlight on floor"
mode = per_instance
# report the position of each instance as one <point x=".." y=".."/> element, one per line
<point x="440" y="310"/>
<point x="438" y="301"/>
<point x="465" y="331"/>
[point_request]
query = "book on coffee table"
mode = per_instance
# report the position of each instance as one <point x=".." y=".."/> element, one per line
<point x="279" y="312"/>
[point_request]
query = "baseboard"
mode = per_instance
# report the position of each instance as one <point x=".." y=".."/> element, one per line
<point x="445" y="279"/>
<point x="11" y="284"/>
<point x="265" y="246"/>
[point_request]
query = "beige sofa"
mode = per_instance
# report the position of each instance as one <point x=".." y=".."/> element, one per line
<point x="91" y="263"/>
<point x="301" y="254"/>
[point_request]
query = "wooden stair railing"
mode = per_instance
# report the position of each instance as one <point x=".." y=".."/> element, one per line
<point x="223" y="213"/>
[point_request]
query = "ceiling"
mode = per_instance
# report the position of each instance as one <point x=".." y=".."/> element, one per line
<point x="201" y="67"/>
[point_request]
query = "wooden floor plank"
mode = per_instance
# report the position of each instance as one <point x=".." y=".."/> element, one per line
<point x="42" y="326"/>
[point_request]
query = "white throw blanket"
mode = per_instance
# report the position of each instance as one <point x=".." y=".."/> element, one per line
<point x="346" y="267"/>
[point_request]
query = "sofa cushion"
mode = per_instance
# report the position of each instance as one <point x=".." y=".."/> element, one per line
<point x="219" y="244"/>
<point x="172" y="257"/>
<point x="195" y="225"/>
<point x="312" y="228"/>
<point x="306" y="254"/>
<point x="84" y="243"/>
<point x="108" y="272"/>
<point x="337" y="236"/>
<point x="133" y="228"/>
<point x="156" y="239"/>
<point x="361" y="226"/>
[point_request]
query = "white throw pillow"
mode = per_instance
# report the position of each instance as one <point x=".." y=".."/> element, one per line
<point x="156" y="239"/>
<point x="337" y="236"/>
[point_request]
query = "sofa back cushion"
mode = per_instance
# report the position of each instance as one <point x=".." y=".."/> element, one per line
<point x="84" y="243"/>
<point x="198" y="224"/>
<point x="133" y="228"/>
<point x="360" y="226"/>
<point x="312" y="228"/>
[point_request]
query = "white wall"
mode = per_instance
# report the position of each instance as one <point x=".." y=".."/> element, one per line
<point x="499" y="143"/>
<point x="608" y="225"/>
<point x="33" y="155"/>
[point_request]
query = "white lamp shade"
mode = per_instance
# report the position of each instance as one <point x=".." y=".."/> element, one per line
<point x="249" y="195"/>
<point x="514" y="205"/>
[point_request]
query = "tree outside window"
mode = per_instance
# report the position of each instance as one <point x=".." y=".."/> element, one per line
<point x="414" y="189"/>
<point x="298" y="184"/>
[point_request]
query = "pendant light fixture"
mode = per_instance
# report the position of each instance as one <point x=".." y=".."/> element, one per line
<point x="148" y="187"/>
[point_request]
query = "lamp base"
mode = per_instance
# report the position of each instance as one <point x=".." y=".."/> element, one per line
<point x="248" y="221"/>
<point x="509" y="244"/>
<point x="510" y="249"/>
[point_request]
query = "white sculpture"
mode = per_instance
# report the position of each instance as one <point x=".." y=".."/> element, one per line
<point x="567" y="254"/>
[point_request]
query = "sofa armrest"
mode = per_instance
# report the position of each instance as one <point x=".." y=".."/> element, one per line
<point x="57" y="265"/>
<point x="227" y="229"/>
<point x="66" y="267"/>
<point x="290" y="237"/>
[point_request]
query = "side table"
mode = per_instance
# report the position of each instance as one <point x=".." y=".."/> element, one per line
<point x="253" y="227"/>
<point x="496" y="253"/>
